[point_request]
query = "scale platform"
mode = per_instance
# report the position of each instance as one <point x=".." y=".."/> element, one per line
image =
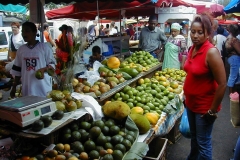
<point x="24" y="111"/>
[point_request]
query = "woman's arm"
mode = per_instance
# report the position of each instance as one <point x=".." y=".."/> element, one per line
<point x="216" y="65"/>
<point x="236" y="45"/>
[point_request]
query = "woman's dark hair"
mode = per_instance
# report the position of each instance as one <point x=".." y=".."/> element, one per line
<point x="220" y="30"/>
<point x="233" y="29"/>
<point x="207" y="24"/>
<point x="96" y="50"/>
<point x="107" y="25"/>
<point x="31" y="25"/>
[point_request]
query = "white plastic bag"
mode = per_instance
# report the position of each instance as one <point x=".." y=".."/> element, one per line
<point x="93" y="76"/>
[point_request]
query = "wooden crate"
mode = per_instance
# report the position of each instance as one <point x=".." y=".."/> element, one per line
<point x="157" y="149"/>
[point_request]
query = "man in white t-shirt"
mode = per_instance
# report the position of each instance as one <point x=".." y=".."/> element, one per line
<point x="112" y="29"/>
<point x="219" y="39"/>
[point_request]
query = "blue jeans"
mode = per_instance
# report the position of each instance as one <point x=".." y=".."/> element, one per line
<point x="237" y="150"/>
<point x="234" y="78"/>
<point x="153" y="54"/>
<point x="201" y="130"/>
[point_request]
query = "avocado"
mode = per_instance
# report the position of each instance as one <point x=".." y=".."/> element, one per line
<point x="58" y="115"/>
<point x="37" y="125"/>
<point x="131" y="71"/>
<point x="47" y="120"/>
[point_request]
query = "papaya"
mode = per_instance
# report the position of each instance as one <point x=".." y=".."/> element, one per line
<point x="117" y="110"/>
<point x="152" y="118"/>
<point x="141" y="122"/>
<point x="131" y="71"/>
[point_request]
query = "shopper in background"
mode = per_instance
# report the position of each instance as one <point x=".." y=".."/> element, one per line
<point x="31" y="57"/>
<point x="96" y="56"/>
<point x="130" y="31"/>
<point x="232" y="46"/>
<point x="16" y="40"/>
<point x="175" y="49"/>
<point x="152" y="39"/>
<point x="112" y="30"/>
<point x="204" y="87"/>
<point x="219" y="39"/>
<point x="48" y="36"/>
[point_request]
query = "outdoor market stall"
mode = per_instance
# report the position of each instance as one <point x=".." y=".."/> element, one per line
<point x="138" y="70"/>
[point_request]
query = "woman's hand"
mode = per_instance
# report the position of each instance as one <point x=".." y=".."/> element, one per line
<point x="210" y="118"/>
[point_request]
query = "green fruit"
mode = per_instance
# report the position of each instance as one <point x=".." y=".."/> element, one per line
<point x="117" y="155"/>
<point x="66" y="130"/>
<point x="120" y="147"/>
<point x="129" y="137"/>
<point x="98" y="123"/>
<point x="84" y="137"/>
<point x="47" y="120"/>
<point x="37" y="126"/>
<point x="94" y="132"/>
<point x="107" y="157"/>
<point x="117" y="110"/>
<point x="127" y="144"/>
<point x="60" y="106"/>
<point x="105" y="130"/>
<point x="116" y="139"/>
<point x="141" y="122"/>
<point x="38" y="75"/>
<point x="79" y="103"/>
<point x="66" y="138"/>
<point x="77" y="147"/>
<point x="76" y="136"/>
<point x="109" y="123"/>
<point x="57" y="115"/>
<point x="74" y="127"/>
<point x="101" y="140"/>
<point x="108" y="146"/>
<point x="85" y="125"/>
<point x="93" y="155"/>
<point x="89" y="146"/>
<point x="114" y="130"/>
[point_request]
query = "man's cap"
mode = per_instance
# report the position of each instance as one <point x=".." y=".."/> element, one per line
<point x="63" y="27"/>
<point x="153" y="18"/>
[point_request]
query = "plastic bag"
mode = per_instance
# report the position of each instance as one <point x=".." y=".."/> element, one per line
<point x="184" y="125"/>
<point x="235" y="109"/>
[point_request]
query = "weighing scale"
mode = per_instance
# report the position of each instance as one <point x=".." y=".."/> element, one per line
<point x="24" y="111"/>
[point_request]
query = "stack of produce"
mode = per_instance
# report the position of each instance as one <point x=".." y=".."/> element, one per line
<point x="141" y="60"/>
<point x="151" y="95"/>
<point x="104" y="139"/>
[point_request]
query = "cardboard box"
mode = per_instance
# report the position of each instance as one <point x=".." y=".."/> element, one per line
<point x="157" y="149"/>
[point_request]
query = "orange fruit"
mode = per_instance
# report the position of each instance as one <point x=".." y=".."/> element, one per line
<point x="113" y="62"/>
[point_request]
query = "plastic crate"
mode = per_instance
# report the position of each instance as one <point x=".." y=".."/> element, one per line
<point x="157" y="149"/>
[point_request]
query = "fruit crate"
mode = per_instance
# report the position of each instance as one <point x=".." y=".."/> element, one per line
<point x="157" y="149"/>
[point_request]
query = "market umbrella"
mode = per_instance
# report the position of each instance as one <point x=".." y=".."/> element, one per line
<point x="13" y="8"/>
<point x="89" y="11"/>
<point x="213" y="8"/>
<point x="232" y="7"/>
<point x="226" y="22"/>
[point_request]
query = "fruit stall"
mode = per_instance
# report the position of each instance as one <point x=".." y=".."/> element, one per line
<point x="116" y="117"/>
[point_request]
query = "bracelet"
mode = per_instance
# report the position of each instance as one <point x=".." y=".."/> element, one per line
<point x="211" y="113"/>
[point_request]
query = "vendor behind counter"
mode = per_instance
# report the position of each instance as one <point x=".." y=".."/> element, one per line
<point x="152" y="39"/>
<point x="96" y="56"/>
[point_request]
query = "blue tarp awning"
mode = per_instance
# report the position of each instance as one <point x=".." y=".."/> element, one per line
<point x="232" y="7"/>
<point x="13" y="8"/>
